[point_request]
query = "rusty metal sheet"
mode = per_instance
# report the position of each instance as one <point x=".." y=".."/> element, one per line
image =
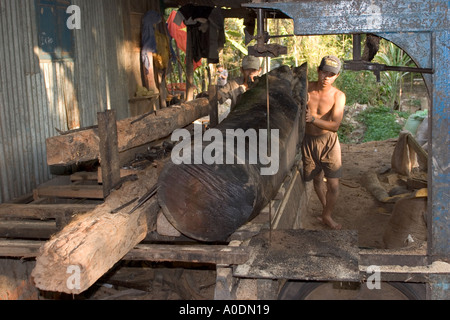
<point x="364" y="16"/>
<point x="439" y="200"/>
<point x="303" y="255"/>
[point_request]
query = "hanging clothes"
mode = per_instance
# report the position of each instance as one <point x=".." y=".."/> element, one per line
<point x="178" y="32"/>
<point x="149" y="44"/>
<point x="207" y="27"/>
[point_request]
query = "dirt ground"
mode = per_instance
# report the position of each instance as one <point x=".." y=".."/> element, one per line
<point x="357" y="208"/>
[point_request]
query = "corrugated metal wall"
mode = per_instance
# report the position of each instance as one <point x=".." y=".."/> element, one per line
<point x="35" y="95"/>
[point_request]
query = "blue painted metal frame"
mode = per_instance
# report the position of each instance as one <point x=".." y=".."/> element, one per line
<point x="421" y="28"/>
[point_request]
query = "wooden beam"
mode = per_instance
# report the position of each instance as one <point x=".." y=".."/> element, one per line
<point x="70" y="191"/>
<point x="123" y="173"/>
<point x="203" y="254"/>
<point x="83" y="146"/>
<point x="27" y="229"/>
<point x="42" y="211"/>
<point x="400" y="257"/>
<point x="189" y="66"/>
<point x="213" y="101"/>
<point x="84" y="176"/>
<point x="94" y="242"/>
<point x="208" y="254"/>
<point x="211" y="3"/>
<point x="109" y="150"/>
<point x="24" y="249"/>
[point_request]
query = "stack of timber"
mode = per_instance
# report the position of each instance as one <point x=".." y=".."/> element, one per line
<point x="54" y="210"/>
<point x="27" y="221"/>
<point x="23" y="226"/>
<point x="99" y="239"/>
<point x="95" y="241"/>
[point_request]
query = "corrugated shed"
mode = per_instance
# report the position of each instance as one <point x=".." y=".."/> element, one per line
<point x="100" y="76"/>
<point x="38" y="96"/>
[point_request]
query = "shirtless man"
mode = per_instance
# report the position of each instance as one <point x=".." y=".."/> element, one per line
<point x="321" y="147"/>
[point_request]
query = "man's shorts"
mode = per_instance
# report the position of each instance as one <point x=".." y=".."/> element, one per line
<point x="322" y="153"/>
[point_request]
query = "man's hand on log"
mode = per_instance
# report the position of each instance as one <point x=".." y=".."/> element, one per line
<point x="309" y="117"/>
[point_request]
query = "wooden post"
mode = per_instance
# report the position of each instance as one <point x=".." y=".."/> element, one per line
<point x="149" y="75"/>
<point x="109" y="150"/>
<point x="213" y="101"/>
<point x="162" y="88"/>
<point x="189" y="67"/>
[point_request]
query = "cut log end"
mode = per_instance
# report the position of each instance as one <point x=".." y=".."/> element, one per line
<point x="74" y="259"/>
<point x="204" y="204"/>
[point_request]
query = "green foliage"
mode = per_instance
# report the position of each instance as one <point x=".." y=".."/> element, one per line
<point x="360" y="87"/>
<point x="381" y="122"/>
<point x="235" y="49"/>
<point x="390" y="90"/>
<point x="345" y="132"/>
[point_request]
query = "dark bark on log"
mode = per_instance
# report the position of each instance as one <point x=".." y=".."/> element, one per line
<point x="210" y="202"/>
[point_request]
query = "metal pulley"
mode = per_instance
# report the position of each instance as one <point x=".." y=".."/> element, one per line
<point x="263" y="48"/>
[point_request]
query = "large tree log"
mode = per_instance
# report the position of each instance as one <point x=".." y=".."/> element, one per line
<point x="74" y="259"/>
<point x="209" y="202"/>
<point x="83" y="146"/>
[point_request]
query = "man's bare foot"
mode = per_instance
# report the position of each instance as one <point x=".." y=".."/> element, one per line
<point x="330" y="223"/>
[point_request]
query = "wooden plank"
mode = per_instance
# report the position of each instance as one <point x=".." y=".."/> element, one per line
<point x="83" y="146"/>
<point x="70" y="191"/>
<point x="42" y="211"/>
<point x="209" y="254"/>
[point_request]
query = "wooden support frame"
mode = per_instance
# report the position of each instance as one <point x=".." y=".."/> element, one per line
<point x="109" y="150"/>
<point x="83" y="146"/>
<point x="70" y="191"/>
<point x="189" y="66"/>
<point x="42" y="211"/>
<point x="214" y="103"/>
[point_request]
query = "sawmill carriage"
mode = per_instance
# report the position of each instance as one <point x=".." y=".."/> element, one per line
<point x="245" y="226"/>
